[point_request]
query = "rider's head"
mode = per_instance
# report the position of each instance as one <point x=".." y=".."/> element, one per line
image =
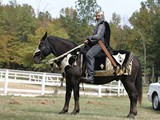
<point x="99" y="16"/>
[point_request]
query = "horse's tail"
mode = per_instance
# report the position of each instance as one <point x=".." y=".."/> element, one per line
<point x="138" y="84"/>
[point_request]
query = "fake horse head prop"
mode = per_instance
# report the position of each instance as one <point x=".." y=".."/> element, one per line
<point x="72" y="65"/>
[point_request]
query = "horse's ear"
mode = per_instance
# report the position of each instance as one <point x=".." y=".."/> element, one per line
<point x="44" y="37"/>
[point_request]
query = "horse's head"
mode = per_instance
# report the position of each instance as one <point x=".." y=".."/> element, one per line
<point x="55" y="45"/>
<point x="42" y="50"/>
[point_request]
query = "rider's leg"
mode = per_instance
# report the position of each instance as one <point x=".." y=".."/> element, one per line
<point x="90" y="58"/>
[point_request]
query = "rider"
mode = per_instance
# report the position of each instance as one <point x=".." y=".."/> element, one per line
<point x="94" y="47"/>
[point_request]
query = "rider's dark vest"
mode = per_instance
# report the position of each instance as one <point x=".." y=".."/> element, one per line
<point x="106" y="37"/>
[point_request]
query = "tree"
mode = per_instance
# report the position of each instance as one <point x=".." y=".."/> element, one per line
<point x="72" y="24"/>
<point x="86" y="10"/>
<point x="17" y="23"/>
<point x="77" y="22"/>
<point x="146" y="23"/>
<point x="116" y="31"/>
<point x="20" y="32"/>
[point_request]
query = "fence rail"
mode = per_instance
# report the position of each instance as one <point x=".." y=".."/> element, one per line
<point x="29" y="83"/>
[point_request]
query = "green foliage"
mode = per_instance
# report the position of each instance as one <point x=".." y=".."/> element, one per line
<point x="17" y="23"/>
<point x="146" y="22"/>
<point x="119" y="35"/>
<point x="77" y="22"/>
<point x="76" y="30"/>
<point x="115" y="31"/>
<point x="17" y="20"/>
<point x="86" y="10"/>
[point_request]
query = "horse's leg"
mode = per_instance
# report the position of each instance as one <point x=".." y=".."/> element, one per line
<point x="129" y="85"/>
<point x="76" y="96"/>
<point x="62" y="79"/>
<point x="67" y="97"/>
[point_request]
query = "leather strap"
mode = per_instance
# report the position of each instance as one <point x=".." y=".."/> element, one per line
<point x="107" y="53"/>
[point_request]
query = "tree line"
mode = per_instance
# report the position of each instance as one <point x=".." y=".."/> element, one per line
<point x="21" y="30"/>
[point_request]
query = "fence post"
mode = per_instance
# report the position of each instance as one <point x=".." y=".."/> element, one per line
<point x="100" y="91"/>
<point x="43" y="83"/>
<point x="30" y="77"/>
<point x="6" y="83"/>
<point x="119" y="85"/>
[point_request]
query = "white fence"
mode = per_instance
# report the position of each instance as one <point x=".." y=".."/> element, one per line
<point x="29" y="83"/>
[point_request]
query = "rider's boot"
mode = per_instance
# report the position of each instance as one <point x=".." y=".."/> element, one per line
<point x="90" y="70"/>
<point x="89" y="79"/>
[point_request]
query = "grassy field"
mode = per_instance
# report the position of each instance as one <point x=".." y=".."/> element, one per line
<point x="92" y="108"/>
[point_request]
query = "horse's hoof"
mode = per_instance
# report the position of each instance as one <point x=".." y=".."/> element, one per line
<point x="63" y="111"/>
<point x="74" y="112"/>
<point x="132" y="116"/>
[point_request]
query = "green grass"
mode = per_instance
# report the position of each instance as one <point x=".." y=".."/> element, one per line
<point x="92" y="108"/>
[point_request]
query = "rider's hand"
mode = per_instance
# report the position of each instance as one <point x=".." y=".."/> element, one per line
<point x="85" y="41"/>
<point x="89" y="38"/>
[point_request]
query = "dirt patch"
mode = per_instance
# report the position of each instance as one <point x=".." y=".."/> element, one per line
<point x="14" y="101"/>
<point x="43" y="102"/>
<point x="95" y="103"/>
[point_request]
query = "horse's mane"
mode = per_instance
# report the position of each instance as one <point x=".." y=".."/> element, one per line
<point x="63" y="40"/>
<point x="60" y="45"/>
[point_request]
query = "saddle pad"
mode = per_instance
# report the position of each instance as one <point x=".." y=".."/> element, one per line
<point x="100" y="63"/>
<point x="105" y="68"/>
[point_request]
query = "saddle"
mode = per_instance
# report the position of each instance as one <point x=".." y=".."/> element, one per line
<point x="104" y="67"/>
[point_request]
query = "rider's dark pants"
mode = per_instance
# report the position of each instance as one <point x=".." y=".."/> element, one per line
<point x="90" y="57"/>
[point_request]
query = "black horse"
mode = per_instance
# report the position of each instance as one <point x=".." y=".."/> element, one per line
<point x="73" y="73"/>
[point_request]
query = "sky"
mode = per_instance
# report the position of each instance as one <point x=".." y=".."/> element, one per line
<point x="124" y="8"/>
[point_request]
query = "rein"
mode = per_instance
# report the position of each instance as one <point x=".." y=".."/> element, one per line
<point x="51" y="61"/>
